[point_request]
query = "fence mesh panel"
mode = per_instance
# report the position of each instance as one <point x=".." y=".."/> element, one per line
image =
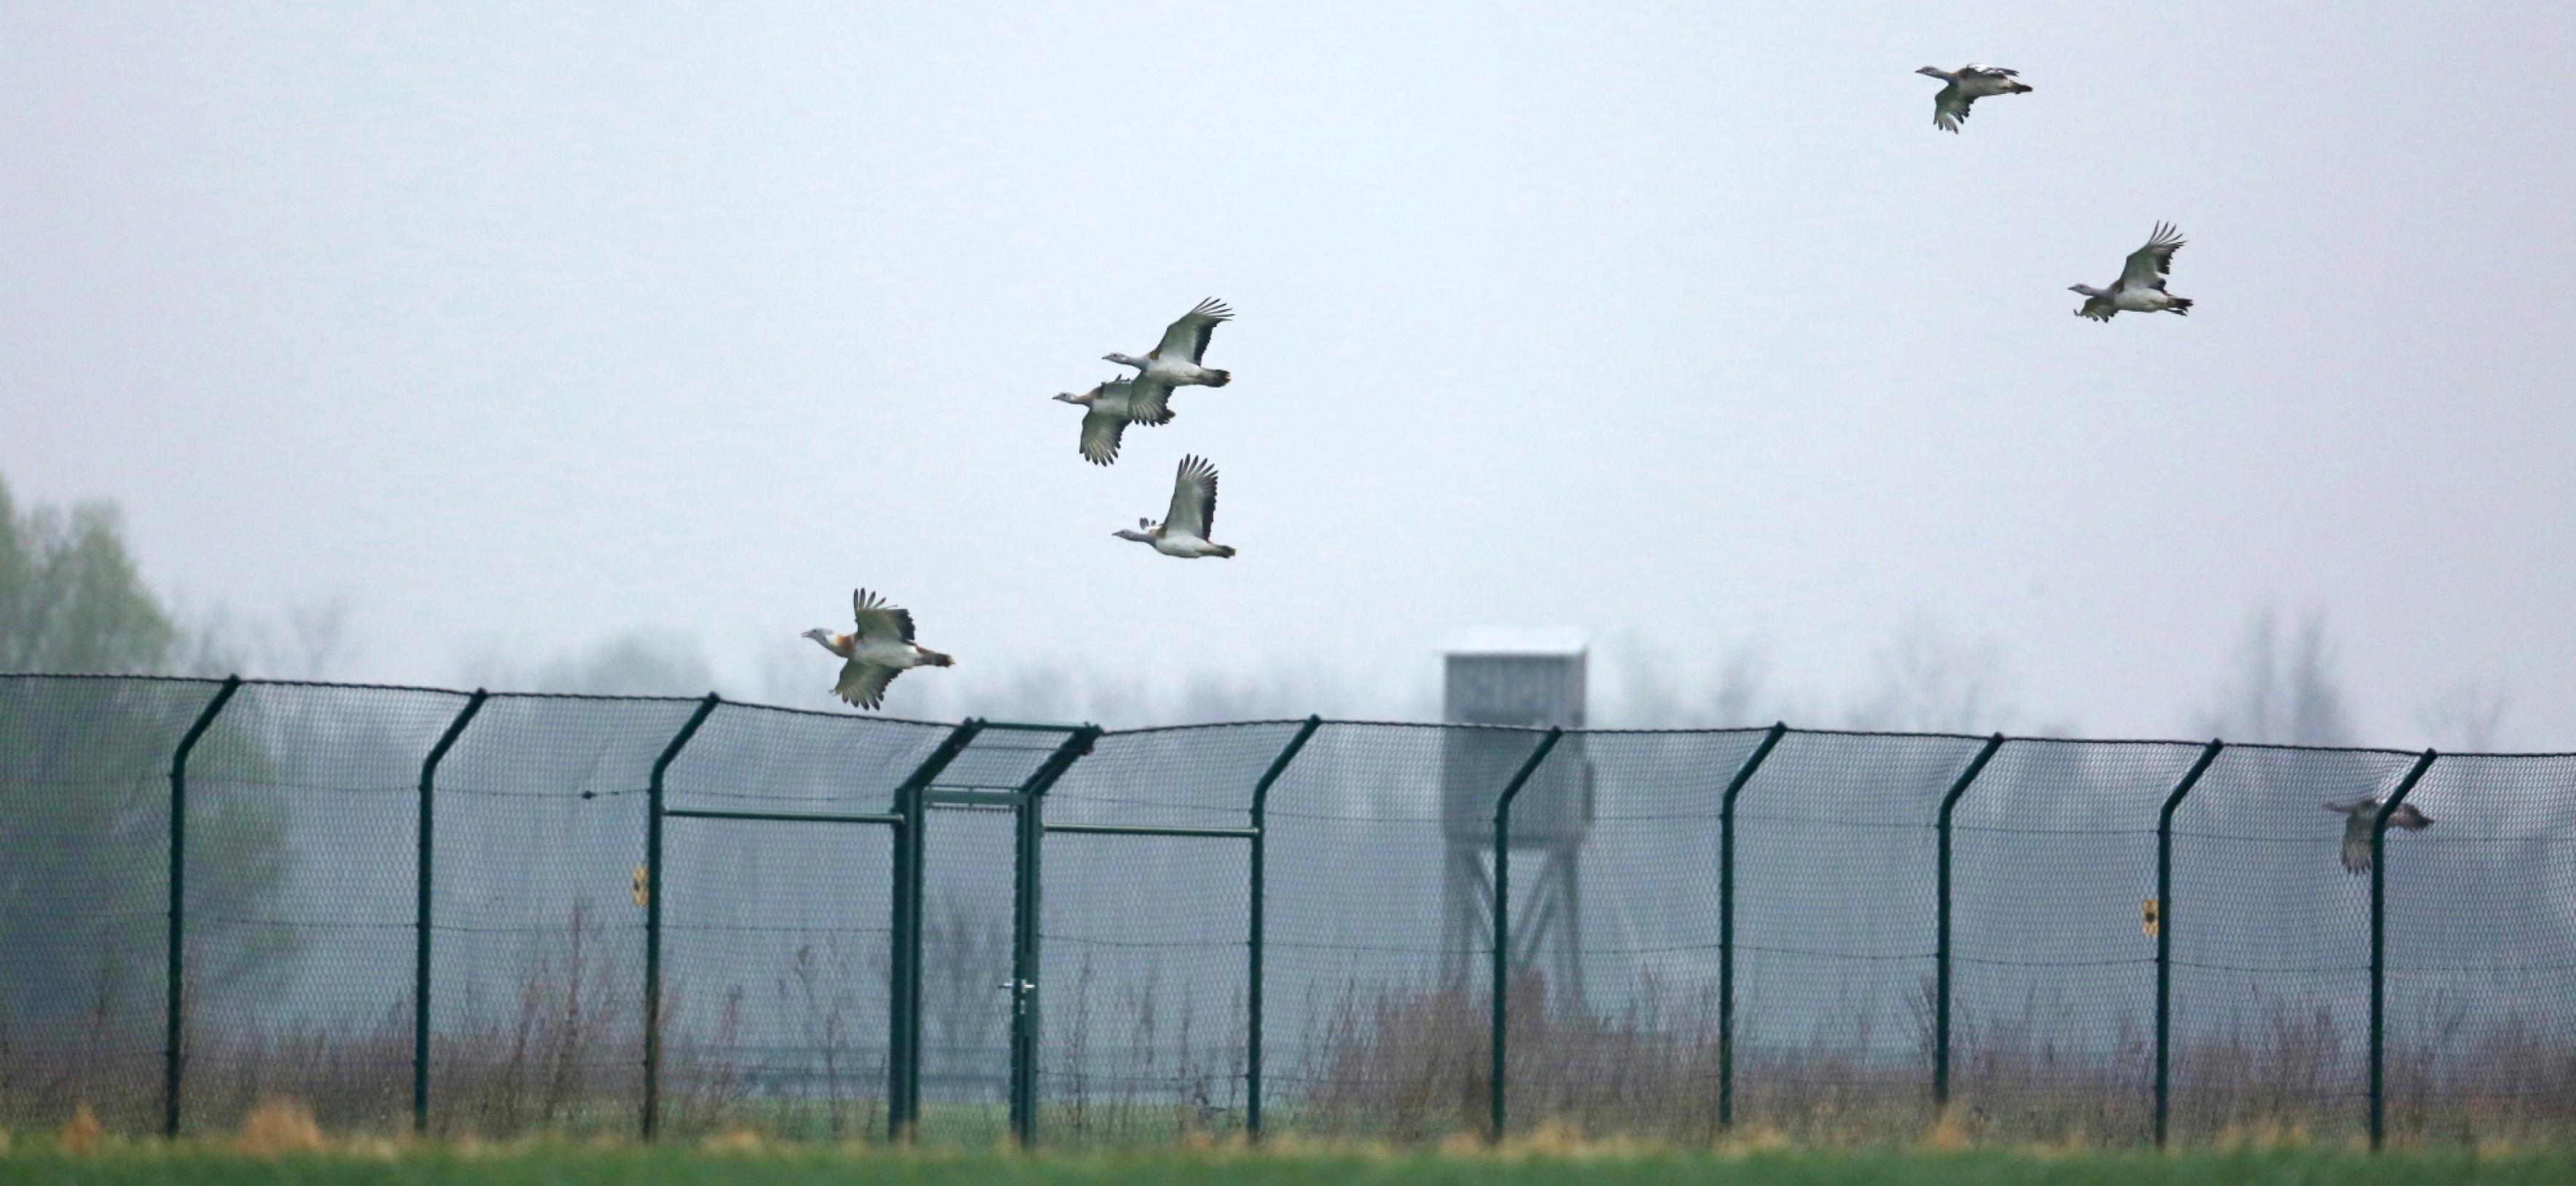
<point x="2271" y="944"/>
<point x="1835" y="866"/>
<point x="303" y="865"/>
<point x="1378" y="941"/>
<point x="536" y="997"/>
<point x="84" y="893"/>
<point x="2053" y="857"/>
<point x="1145" y="952"/>
<point x="2481" y="953"/>
<point x="1615" y="921"/>
<point x="776" y="947"/>
<point x="303" y="860"/>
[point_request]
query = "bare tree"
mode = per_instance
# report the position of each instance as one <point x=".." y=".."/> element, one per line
<point x="2467" y="716"/>
<point x="2284" y="688"/>
<point x="1930" y="679"/>
<point x="1644" y="693"/>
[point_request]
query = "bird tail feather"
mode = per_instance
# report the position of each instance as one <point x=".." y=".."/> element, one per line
<point x="1222" y="378"/>
<point x="935" y="659"/>
<point x="1225" y="551"/>
<point x="2180" y="305"/>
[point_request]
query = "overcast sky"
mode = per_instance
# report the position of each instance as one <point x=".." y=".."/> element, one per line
<point x="520" y="327"/>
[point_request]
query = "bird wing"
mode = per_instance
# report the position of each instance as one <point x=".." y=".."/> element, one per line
<point x="1100" y="433"/>
<point x="1950" y="108"/>
<point x="1988" y="71"/>
<point x="1149" y="400"/>
<point x="2097" y="308"/>
<point x="1193" y="498"/>
<point x="863" y="683"/>
<point x="1189" y="335"/>
<point x="2147" y="265"/>
<point x="2356" y="845"/>
<point x="878" y="620"/>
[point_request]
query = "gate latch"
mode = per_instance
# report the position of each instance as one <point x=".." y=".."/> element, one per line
<point x="1020" y="990"/>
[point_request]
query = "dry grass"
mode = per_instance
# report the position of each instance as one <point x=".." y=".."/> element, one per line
<point x="1406" y="1065"/>
<point x="278" y="1127"/>
<point x="82" y="1133"/>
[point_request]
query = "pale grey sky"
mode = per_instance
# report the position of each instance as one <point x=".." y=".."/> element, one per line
<point x="523" y="326"/>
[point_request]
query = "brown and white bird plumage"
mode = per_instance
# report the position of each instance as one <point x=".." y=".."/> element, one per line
<point x="878" y="648"/>
<point x="1109" y="408"/>
<point x="1176" y="360"/>
<point x="1186" y="527"/>
<point x="2360" y="815"/>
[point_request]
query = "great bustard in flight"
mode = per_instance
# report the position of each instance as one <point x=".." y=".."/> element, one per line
<point x="1108" y="409"/>
<point x="1175" y="362"/>
<point x="2141" y="286"/>
<point x="878" y="648"/>
<point x="1968" y="84"/>
<point x="2358" y="816"/>
<point x="1185" y="528"/>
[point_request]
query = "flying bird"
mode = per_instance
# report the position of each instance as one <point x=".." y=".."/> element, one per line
<point x="2358" y="815"/>
<point x="1968" y="84"/>
<point x="1184" y="529"/>
<point x="1175" y="363"/>
<point x="879" y="647"/>
<point x="2141" y="286"/>
<point x="1108" y="409"/>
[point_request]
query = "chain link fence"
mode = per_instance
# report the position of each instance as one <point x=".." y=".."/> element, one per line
<point x="415" y="908"/>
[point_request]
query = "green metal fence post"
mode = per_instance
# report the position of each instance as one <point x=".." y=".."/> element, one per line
<point x="652" y="1119"/>
<point x="2164" y="930"/>
<point x="903" y="996"/>
<point x="1503" y="919"/>
<point x="1726" y="920"/>
<point x="175" y="974"/>
<point x="1026" y="1012"/>
<point x="423" y="869"/>
<point x="1258" y="923"/>
<point x="1941" y="1004"/>
<point x="2379" y="946"/>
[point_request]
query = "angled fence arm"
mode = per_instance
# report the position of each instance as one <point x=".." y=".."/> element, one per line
<point x="423" y="869"/>
<point x="1941" y="973"/>
<point x="1258" y="921"/>
<point x="1503" y="919"/>
<point x="1726" y="919"/>
<point x="652" y="1118"/>
<point x="175" y="973"/>
<point x="2379" y="945"/>
<point x="903" y="996"/>
<point x="2164" y="930"/>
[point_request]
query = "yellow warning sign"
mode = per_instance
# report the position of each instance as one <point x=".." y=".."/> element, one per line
<point x="643" y="887"/>
<point x="2150" y="916"/>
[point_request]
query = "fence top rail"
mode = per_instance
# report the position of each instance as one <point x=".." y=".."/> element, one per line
<point x="1033" y="726"/>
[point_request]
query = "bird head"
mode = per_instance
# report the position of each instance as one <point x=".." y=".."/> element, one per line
<point x="1934" y="71"/>
<point x="1124" y="360"/>
<point x="818" y="634"/>
<point x="1138" y="536"/>
<point x="1084" y="398"/>
<point x="2086" y="289"/>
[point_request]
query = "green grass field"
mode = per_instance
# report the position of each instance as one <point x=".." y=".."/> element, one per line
<point x="558" y="1165"/>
